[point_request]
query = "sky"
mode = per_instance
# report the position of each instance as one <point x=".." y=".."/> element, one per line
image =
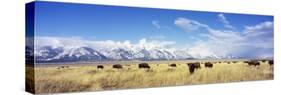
<point x="202" y="33"/>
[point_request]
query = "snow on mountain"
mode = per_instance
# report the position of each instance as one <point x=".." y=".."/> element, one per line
<point x="60" y="54"/>
<point x="182" y="54"/>
<point x="29" y="55"/>
<point x="119" y="54"/>
<point x="47" y="52"/>
<point x="84" y="53"/>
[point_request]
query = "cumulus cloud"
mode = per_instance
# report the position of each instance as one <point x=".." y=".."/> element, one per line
<point x="189" y="25"/>
<point x="67" y="42"/>
<point x="226" y="23"/>
<point x="254" y="41"/>
<point x="262" y="27"/>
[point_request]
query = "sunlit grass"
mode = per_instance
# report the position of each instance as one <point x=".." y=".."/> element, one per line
<point x="50" y="79"/>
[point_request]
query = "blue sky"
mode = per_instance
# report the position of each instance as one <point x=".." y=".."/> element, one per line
<point x="96" y="22"/>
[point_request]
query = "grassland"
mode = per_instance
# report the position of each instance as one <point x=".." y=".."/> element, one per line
<point x="53" y="79"/>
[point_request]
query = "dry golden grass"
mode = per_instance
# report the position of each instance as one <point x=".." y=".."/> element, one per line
<point x="50" y="79"/>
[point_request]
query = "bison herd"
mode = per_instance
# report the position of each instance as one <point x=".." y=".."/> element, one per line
<point x="191" y="66"/>
<point x="257" y="62"/>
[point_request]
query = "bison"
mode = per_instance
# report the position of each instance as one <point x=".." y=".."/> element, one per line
<point x="253" y="63"/>
<point x="270" y="62"/>
<point x="100" y="67"/>
<point x="117" y="66"/>
<point x="208" y="65"/>
<point x="173" y="65"/>
<point x="193" y="66"/>
<point x="263" y="60"/>
<point x="144" y="65"/>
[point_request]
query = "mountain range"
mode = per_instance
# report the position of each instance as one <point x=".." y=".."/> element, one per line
<point x="74" y="54"/>
<point x="83" y="53"/>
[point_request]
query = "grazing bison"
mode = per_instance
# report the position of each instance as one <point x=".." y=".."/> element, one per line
<point x="193" y="66"/>
<point x="263" y="60"/>
<point x="117" y="66"/>
<point x="100" y="66"/>
<point x="173" y="65"/>
<point x="253" y="63"/>
<point x="234" y="62"/>
<point x="208" y="65"/>
<point x="270" y="62"/>
<point x="144" y="65"/>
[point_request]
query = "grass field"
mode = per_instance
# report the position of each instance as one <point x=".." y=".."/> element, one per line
<point x="55" y="78"/>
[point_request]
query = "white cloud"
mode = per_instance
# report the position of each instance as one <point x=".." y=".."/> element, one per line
<point x="156" y="24"/>
<point x="261" y="34"/>
<point x="223" y="19"/>
<point x="105" y="44"/>
<point x="262" y="27"/>
<point x="189" y="25"/>
<point x="255" y="41"/>
<point x="226" y="23"/>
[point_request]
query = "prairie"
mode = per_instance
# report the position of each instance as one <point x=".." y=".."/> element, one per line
<point x="87" y="77"/>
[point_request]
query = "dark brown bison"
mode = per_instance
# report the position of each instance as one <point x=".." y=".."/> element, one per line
<point x="234" y="61"/>
<point x="144" y="65"/>
<point x="100" y="67"/>
<point x="208" y="65"/>
<point x="117" y="66"/>
<point x="253" y="63"/>
<point x="193" y="66"/>
<point x="173" y="65"/>
<point x="270" y="62"/>
<point x="263" y="60"/>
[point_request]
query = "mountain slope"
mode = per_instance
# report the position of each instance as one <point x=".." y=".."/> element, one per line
<point x="74" y="54"/>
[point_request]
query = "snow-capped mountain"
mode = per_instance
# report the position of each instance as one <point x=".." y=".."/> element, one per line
<point x="29" y="55"/>
<point x="67" y="54"/>
<point x="118" y="54"/>
<point x="83" y="53"/>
